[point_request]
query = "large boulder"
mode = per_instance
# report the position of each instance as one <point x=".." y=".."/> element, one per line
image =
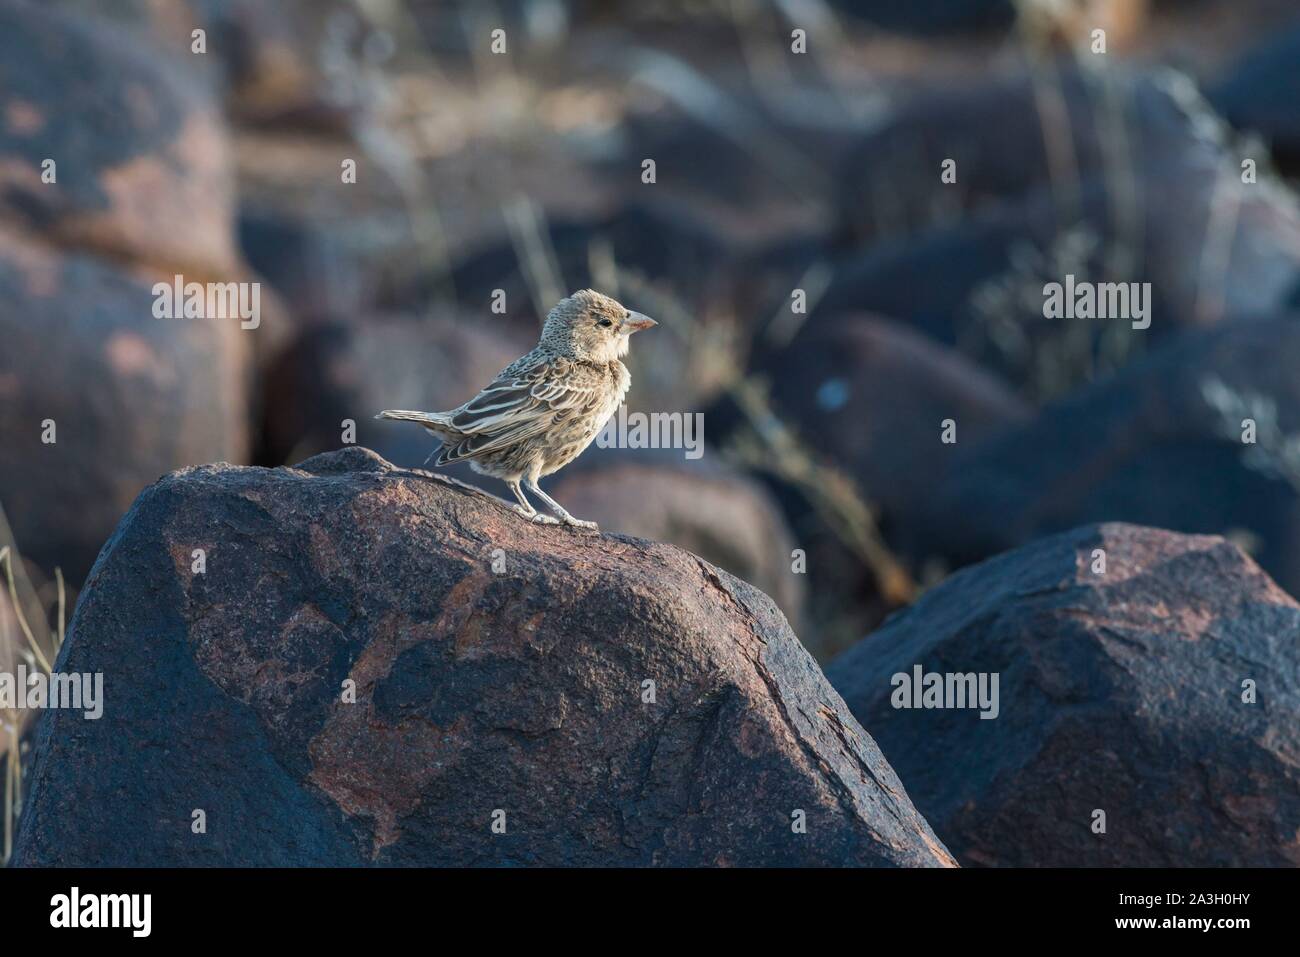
<point x="867" y="398"/>
<point x="1123" y="688"/>
<point x="1051" y="130"/>
<point x="98" y="398"/>
<point x="502" y="708"/>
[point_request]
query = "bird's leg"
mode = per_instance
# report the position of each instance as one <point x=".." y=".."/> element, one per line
<point x="525" y="507"/>
<point x="556" y="507"/>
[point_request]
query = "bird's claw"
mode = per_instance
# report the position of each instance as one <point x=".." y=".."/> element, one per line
<point x="541" y="519"/>
<point x="580" y="523"/>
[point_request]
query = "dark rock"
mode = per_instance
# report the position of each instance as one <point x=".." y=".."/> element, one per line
<point x="1159" y="444"/>
<point x="752" y="167"/>
<point x="867" y="398"/>
<point x="871" y="395"/>
<point x="725" y="517"/>
<point x="131" y="397"/>
<point x="1260" y="95"/>
<point x="143" y="166"/>
<point x="1120" y="692"/>
<point x="283" y="64"/>
<point x="476" y="691"/>
<point x="310" y="264"/>
<point x="275" y="63"/>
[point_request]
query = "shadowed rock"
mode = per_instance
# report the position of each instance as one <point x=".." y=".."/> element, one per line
<point x="1120" y="692"/>
<point x="932" y="17"/>
<point x="869" y="397"/>
<point x="1260" y="95"/>
<point x="1053" y="131"/>
<point x="871" y="394"/>
<point x="512" y="695"/>
<point x="1159" y="444"/>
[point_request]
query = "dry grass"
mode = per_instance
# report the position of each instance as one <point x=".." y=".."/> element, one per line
<point x="25" y="638"/>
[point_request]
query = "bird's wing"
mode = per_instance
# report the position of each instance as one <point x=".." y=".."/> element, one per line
<point x="520" y="403"/>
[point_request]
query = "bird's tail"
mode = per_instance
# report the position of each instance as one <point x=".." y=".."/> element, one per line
<point x="435" y="422"/>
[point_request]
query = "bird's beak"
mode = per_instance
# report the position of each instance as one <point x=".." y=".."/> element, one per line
<point x="635" y="322"/>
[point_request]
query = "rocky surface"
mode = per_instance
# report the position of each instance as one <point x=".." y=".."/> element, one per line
<point x="1119" y="691"/>
<point x="512" y="696"/>
<point x="1021" y="133"/>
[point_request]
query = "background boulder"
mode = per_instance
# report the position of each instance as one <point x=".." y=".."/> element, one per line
<point x="1160" y="444"/>
<point x="706" y="507"/>
<point x="130" y="397"/>
<point x="1119" y="691"/>
<point x="142" y="160"/>
<point x="1259" y="95"/>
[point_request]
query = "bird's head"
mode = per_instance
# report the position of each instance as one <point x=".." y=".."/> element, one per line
<point x="590" y="326"/>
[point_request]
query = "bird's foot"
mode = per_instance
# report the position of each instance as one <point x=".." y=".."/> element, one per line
<point x="579" y="522"/>
<point x="541" y="519"/>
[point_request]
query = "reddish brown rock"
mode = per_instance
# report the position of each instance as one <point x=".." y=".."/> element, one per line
<point x="516" y="695"/>
<point x="1119" y="691"/>
<point x="130" y="397"/>
<point x="143" y="167"/>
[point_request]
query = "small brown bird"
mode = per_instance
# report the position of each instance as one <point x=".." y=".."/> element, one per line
<point x="543" y="409"/>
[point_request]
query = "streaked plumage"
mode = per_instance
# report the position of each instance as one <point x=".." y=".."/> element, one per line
<point x="543" y="409"/>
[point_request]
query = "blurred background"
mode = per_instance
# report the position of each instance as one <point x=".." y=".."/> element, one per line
<point x="825" y="299"/>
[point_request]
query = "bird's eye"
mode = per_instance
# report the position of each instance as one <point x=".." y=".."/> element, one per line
<point x="604" y="322"/>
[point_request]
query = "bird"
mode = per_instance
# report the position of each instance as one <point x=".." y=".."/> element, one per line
<point x="546" y="407"/>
